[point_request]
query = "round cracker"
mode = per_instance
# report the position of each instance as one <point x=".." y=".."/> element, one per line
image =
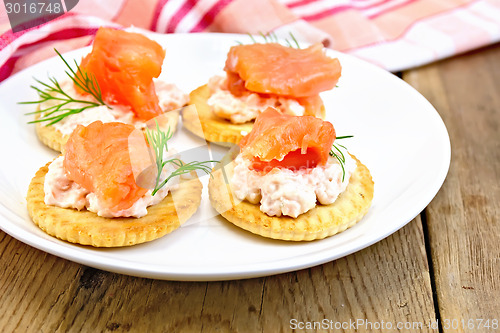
<point x="202" y="122"/>
<point x="87" y="228"/>
<point x="50" y="136"/>
<point x="56" y="140"/>
<point x="318" y="223"/>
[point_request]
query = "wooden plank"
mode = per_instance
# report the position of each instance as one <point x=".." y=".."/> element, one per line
<point x="388" y="281"/>
<point x="34" y="285"/>
<point x="464" y="219"/>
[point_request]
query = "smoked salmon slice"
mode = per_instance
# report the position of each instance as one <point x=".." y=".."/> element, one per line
<point x="97" y="158"/>
<point x="276" y="69"/>
<point x="124" y="65"/>
<point x="286" y="141"/>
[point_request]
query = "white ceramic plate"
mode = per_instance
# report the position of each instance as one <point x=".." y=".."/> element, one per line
<point x="397" y="134"/>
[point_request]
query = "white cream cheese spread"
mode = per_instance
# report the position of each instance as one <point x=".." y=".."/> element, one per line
<point x="246" y="107"/>
<point x="286" y="192"/>
<point x="63" y="192"/>
<point x="170" y="97"/>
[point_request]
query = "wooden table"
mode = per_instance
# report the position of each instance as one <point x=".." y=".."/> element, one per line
<point x="443" y="266"/>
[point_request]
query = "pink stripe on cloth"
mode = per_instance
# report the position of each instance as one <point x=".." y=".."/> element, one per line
<point x="300" y="3"/>
<point x="254" y="16"/>
<point x="67" y="27"/>
<point x="7" y="68"/>
<point x="390" y="5"/>
<point x="390" y="9"/>
<point x="326" y="13"/>
<point x="8" y="37"/>
<point x="179" y="15"/>
<point x="210" y="15"/>
<point x="322" y="5"/>
<point x="67" y="21"/>
<point x="447" y="33"/>
<point x="64" y="34"/>
<point x="158" y="9"/>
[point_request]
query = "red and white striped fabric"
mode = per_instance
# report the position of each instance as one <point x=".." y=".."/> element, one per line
<point x="394" y="34"/>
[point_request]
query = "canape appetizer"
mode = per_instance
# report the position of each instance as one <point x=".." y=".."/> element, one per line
<point x="292" y="180"/>
<point x="100" y="191"/>
<point x="116" y="81"/>
<point x="259" y="76"/>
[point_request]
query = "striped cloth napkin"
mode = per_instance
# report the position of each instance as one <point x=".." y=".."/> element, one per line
<point x="393" y="34"/>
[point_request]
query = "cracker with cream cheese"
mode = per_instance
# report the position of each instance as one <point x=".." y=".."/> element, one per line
<point x="201" y="121"/>
<point x="318" y="223"/>
<point x="87" y="228"/>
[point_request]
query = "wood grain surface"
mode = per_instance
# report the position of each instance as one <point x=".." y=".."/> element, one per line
<point x="464" y="219"/>
<point x="444" y="265"/>
<point x="388" y="281"/>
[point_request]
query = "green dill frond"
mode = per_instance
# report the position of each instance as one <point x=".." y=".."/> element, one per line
<point x="271" y="37"/>
<point x="65" y="106"/>
<point x="158" y="140"/>
<point x="338" y="154"/>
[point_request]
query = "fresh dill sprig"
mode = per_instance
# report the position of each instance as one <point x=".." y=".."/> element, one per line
<point x="338" y="154"/>
<point x="294" y="40"/>
<point x="252" y="38"/>
<point x="53" y="92"/>
<point x="158" y="140"/>
<point x="271" y="37"/>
